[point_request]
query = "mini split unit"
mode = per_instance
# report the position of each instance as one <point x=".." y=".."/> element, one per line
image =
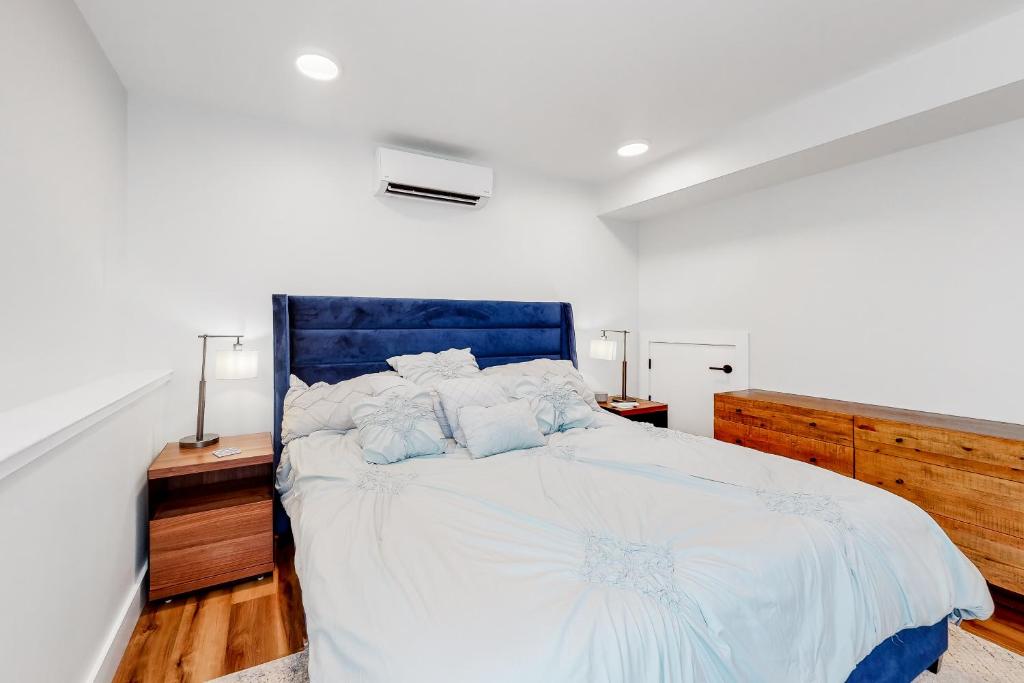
<point x="418" y="176"/>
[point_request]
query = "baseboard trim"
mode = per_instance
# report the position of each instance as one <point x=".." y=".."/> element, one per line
<point x="105" y="666"/>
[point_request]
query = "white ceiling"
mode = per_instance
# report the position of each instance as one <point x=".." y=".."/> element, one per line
<point x="553" y="85"/>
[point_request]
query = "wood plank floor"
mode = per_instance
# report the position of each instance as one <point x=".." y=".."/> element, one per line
<point x="212" y="633"/>
<point x="220" y="631"/>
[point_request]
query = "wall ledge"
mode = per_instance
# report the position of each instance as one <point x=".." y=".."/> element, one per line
<point x="32" y="430"/>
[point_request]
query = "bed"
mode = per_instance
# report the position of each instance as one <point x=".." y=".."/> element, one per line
<point x="618" y="552"/>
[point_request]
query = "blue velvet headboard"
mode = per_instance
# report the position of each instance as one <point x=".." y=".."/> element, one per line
<point x="331" y="338"/>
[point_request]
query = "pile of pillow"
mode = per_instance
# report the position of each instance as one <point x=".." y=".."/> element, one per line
<point x="434" y="396"/>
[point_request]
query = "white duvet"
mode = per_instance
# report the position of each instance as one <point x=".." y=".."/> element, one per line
<point x="622" y="553"/>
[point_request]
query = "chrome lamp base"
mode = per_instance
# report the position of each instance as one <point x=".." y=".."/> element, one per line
<point x="193" y="441"/>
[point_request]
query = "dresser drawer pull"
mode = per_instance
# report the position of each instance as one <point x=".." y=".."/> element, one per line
<point x="899" y="481"/>
<point x="813" y="461"/>
<point x="812" y="424"/>
<point x="899" y="439"/>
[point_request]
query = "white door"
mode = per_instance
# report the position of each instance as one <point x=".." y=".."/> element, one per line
<point x="686" y="371"/>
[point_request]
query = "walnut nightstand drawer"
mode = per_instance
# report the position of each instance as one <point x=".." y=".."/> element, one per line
<point x="189" y="548"/>
<point x="211" y="519"/>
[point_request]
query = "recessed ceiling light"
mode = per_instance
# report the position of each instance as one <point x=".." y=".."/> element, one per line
<point x="634" y="148"/>
<point x="317" y="67"/>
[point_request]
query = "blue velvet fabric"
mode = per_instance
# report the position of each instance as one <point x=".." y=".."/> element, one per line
<point x="902" y="657"/>
<point x="329" y="338"/>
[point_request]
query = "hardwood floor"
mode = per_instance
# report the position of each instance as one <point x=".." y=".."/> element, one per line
<point x="219" y="631"/>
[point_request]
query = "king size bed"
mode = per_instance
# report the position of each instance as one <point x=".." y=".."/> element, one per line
<point x="612" y="552"/>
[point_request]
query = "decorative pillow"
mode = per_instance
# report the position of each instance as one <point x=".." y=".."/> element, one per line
<point x="543" y="366"/>
<point x="468" y="391"/>
<point x="430" y="369"/>
<point x="555" y="402"/>
<point x="329" y="406"/>
<point x="500" y="428"/>
<point x="398" y="425"/>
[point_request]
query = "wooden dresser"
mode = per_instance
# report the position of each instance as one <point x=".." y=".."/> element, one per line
<point x="967" y="474"/>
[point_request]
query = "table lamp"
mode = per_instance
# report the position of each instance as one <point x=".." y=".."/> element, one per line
<point x="605" y="349"/>
<point x="233" y="363"/>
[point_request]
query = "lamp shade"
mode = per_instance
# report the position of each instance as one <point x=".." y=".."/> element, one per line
<point x="603" y="349"/>
<point x="236" y="363"/>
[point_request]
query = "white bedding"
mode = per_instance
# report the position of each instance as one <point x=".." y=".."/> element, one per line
<point x="623" y="553"/>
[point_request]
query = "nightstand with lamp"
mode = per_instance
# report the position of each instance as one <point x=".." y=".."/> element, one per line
<point x="635" y="409"/>
<point x="211" y="498"/>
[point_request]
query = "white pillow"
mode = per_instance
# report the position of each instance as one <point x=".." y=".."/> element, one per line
<point x="398" y="425"/>
<point x="543" y="366"/>
<point x="468" y="391"/>
<point x="556" y="403"/>
<point x="500" y="428"/>
<point x="329" y="406"/>
<point x="430" y="369"/>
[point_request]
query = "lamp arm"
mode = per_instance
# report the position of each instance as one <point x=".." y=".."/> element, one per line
<point x="625" y="395"/>
<point x="201" y="410"/>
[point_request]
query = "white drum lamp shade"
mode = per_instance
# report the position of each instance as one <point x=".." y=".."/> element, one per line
<point x="603" y="349"/>
<point x="237" y="363"/>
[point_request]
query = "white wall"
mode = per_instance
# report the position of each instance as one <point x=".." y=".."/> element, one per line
<point x="74" y="549"/>
<point x="62" y="130"/>
<point x="897" y="281"/>
<point x="223" y="211"/>
<point x="73" y="532"/>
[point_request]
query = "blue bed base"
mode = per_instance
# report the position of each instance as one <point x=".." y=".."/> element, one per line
<point x="320" y="338"/>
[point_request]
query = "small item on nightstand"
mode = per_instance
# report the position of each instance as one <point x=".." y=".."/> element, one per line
<point x="601" y="396"/>
<point x="222" y="452"/>
<point x="639" y="410"/>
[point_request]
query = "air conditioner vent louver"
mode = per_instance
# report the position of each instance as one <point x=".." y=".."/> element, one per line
<point x="419" y="176"/>
<point x="428" y="193"/>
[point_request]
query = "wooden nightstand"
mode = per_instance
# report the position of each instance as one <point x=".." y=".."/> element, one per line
<point x="211" y="520"/>
<point x="648" y="411"/>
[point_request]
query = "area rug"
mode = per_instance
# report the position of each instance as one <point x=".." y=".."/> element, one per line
<point x="969" y="660"/>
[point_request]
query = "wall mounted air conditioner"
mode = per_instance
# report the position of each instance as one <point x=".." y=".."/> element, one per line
<point x="404" y="174"/>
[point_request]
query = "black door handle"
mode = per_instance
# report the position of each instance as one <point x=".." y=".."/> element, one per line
<point x="725" y="368"/>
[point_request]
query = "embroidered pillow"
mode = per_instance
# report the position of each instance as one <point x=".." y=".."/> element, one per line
<point x="500" y="428"/>
<point x="430" y="369"/>
<point x="543" y="366"/>
<point x="329" y="406"/>
<point x="398" y="425"/>
<point x="554" y="400"/>
<point x="468" y="391"/>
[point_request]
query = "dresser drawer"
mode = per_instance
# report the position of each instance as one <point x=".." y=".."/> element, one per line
<point x="960" y="450"/>
<point x="978" y="499"/>
<point x="204" y="544"/>
<point x="1000" y="557"/>
<point x="835" y="457"/>
<point x="787" y="419"/>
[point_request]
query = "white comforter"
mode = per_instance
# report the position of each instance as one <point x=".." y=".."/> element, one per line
<point x="624" y="553"/>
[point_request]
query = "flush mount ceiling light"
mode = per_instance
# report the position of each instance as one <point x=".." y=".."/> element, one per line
<point x="634" y="148"/>
<point x="317" y="67"/>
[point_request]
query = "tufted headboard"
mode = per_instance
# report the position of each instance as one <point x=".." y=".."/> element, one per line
<point x="331" y="338"/>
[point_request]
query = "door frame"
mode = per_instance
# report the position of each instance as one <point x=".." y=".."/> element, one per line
<point x="739" y="339"/>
